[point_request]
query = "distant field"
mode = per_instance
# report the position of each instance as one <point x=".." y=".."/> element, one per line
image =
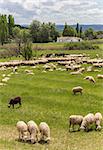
<point x="40" y="49"/>
<point x="48" y="97"/>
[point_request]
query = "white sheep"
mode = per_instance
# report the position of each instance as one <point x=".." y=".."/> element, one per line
<point x="5" y="79"/>
<point x="23" y="130"/>
<point x="75" y="120"/>
<point x="90" y="78"/>
<point x="33" y="130"/>
<point x="45" y="132"/>
<point x="77" y="89"/>
<point x="98" y="120"/>
<point x="87" y="121"/>
<point x="100" y="76"/>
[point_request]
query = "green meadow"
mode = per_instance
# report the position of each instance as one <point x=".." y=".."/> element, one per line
<point x="47" y="96"/>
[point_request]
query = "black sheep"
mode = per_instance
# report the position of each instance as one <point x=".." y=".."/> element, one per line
<point x="16" y="100"/>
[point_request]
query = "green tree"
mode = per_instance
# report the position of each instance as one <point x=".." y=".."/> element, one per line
<point x="3" y="29"/>
<point x="44" y="33"/>
<point x="35" y="31"/>
<point x="68" y="31"/>
<point x="90" y="34"/>
<point x="53" y="31"/>
<point x="77" y="29"/>
<point x="10" y="25"/>
<point x="17" y="33"/>
<point x="81" y="32"/>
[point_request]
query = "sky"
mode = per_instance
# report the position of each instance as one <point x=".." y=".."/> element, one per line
<point x="58" y="11"/>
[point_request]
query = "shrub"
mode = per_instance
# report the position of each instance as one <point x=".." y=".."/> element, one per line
<point x="27" y="51"/>
<point x="80" y="46"/>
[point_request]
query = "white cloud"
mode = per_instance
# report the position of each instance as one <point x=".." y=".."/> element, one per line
<point x="59" y="11"/>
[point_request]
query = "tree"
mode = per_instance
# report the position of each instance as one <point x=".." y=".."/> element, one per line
<point x="90" y="34"/>
<point x="81" y="32"/>
<point x="44" y="33"/>
<point x="17" y="33"/>
<point x="77" y="29"/>
<point x="68" y="31"/>
<point x="25" y="35"/>
<point x="10" y="25"/>
<point x="65" y="30"/>
<point x="35" y="31"/>
<point x="53" y="31"/>
<point x="27" y="51"/>
<point x="3" y="29"/>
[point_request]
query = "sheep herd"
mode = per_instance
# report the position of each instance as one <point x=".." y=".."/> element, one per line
<point x="31" y="132"/>
<point x="85" y="122"/>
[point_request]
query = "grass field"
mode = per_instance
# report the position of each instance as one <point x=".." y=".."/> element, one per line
<point x="48" y="97"/>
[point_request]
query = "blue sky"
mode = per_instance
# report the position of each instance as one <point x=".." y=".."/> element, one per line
<point x="58" y="11"/>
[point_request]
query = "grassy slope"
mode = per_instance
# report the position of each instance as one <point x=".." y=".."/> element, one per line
<point x="47" y="97"/>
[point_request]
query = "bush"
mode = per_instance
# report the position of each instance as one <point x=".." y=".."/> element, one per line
<point x="27" y="51"/>
<point x="80" y="46"/>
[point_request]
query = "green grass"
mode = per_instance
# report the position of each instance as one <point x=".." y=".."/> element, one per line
<point x="48" y="97"/>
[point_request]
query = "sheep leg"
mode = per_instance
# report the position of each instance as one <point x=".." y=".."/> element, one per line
<point x="69" y="126"/>
<point x="13" y="106"/>
<point x="20" y="103"/>
<point x="73" y="127"/>
<point x="20" y="136"/>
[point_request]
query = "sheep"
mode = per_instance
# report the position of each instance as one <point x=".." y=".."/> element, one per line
<point x="23" y="130"/>
<point x="87" y="121"/>
<point x="14" y="101"/>
<point x="15" y="69"/>
<point x="33" y="130"/>
<point x="98" y="120"/>
<point x="76" y="73"/>
<point x="5" y="79"/>
<point x="45" y="132"/>
<point x="75" y="120"/>
<point x="100" y="76"/>
<point x="77" y="89"/>
<point x="90" y="78"/>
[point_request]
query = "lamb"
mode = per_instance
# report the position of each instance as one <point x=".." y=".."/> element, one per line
<point x="98" y="120"/>
<point x="75" y="120"/>
<point x="77" y="89"/>
<point x="90" y="78"/>
<point x="14" y="101"/>
<point x="45" y="132"/>
<point x="23" y="130"/>
<point x="33" y="130"/>
<point x="87" y="121"/>
<point x="100" y="76"/>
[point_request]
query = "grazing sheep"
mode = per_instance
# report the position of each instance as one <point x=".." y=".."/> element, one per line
<point x="15" y="69"/>
<point x="76" y="73"/>
<point x="98" y="120"/>
<point x="45" y="132"/>
<point x="87" y="121"/>
<point x="23" y="130"/>
<point x="5" y="79"/>
<point x="77" y="89"/>
<point x="33" y="130"/>
<point x="75" y="120"/>
<point x="16" y="100"/>
<point x="100" y="76"/>
<point x="90" y="78"/>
